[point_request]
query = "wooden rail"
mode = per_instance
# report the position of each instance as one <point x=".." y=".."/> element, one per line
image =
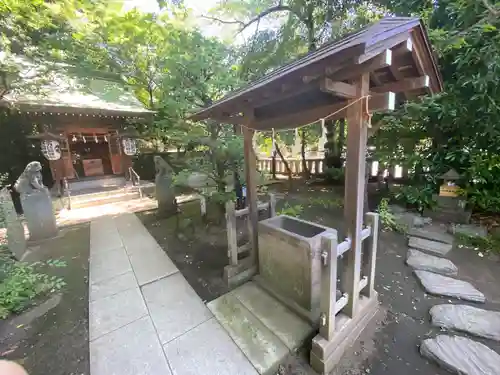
<point x="316" y="167"/>
<point x="331" y="251"/>
<point x="242" y="268"/>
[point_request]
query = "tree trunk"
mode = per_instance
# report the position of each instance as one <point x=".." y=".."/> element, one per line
<point x="305" y="170"/>
<point x="287" y="167"/>
<point x="341" y="138"/>
<point x="273" y="156"/>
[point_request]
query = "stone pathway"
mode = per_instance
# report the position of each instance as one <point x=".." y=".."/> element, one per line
<point x="457" y="354"/>
<point x="144" y="317"/>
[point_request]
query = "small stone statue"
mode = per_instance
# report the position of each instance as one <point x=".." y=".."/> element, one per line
<point x="165" y="194"/>
<point x="30" y="180"/>
<point x="36" y="202"/>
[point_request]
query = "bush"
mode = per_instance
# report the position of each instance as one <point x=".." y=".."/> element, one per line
<point x="21" y="283"/>
<point x="388" y="219"/>
<point x="419" y="197"/>
<point x="290" y="210"/>
<point x="333" y="174"/>
<point x="331" y="203"/>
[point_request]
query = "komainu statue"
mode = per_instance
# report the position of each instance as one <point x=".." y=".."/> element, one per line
<point x="30" y="180"/>
<point x="36" y="202"/>
<point x="165" y="194"/>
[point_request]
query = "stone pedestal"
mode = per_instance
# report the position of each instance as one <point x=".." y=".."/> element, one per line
<point x="449" y="210"/>
<point x="16" y="241"/>
<point x="165" y="195"/>
<point x="39" y="215"/>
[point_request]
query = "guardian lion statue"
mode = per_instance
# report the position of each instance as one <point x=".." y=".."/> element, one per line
<point x="165" y="194"/>
<point x="30" y="180"/>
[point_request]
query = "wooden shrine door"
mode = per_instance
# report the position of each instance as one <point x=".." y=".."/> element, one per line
<point x="115" y="153"/>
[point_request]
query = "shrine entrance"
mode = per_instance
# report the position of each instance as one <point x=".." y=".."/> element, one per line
<point x="91" y="157"/>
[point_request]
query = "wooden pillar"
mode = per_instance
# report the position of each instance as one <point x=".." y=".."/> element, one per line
<point x="329" y="243"/>
<point x="232" y="234"/>
<point x="354" y="191"/>
<point x="370" y="253"/>
<point x="251" y="183"/>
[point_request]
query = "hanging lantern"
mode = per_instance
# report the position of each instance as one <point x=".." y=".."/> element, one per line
<point x="51" y="149"/>
<point x="129" y="146"/>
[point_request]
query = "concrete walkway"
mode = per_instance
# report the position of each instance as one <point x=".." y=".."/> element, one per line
<point x="144" y="317"/>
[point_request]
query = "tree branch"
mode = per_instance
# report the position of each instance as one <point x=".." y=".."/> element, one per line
<point x="491" y="8"/>
<point x="226" y="22"/>
<point x="277" y="8"/>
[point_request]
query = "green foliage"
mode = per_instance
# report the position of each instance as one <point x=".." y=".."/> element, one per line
<point x="332" y="203"/>
<point x="460" y="128"/>
<point x="289" y="210"/>
<point x="388" y="219"/>
<point x="22" y="283"/>
<point x="417" y="196"/>
<point x="335" y="174"/>
<point x="302" y="26"/>
<point x="485" y="244"/>
<point x="482" y="186"/>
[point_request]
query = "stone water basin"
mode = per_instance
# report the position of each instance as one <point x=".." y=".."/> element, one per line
<point x="290" y="259"/>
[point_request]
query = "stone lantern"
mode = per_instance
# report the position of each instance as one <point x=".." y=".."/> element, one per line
<point x="450" y="206"/>
<point x="449" y="188"/>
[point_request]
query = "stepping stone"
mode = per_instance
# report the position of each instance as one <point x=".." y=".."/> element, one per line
<point x="447" y="286"/>
<point x="434" y="247"/>
<point x="432" y="233"/>
<point x="422" y="261"/>
<point x="476" y="321"/>
<point x="461" y="355"/>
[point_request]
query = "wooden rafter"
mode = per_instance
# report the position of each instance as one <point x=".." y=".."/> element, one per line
<point x="337" y="88"/>
<point x="380" y="61"/>
<point x="403" y="48"/>
<point x="406" y="85"/>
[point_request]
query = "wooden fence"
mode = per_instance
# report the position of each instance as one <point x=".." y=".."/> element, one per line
<point x="316" y="167"/>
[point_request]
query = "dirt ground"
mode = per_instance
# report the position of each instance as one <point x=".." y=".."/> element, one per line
<point x="52" y="337"/>
<point x="198" y="247"/>
<point x="390" y="344"/>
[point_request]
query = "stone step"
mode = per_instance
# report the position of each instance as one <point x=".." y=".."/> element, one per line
<point x="476" y="321"/>
<point x="432" y="233"/>
<point x="422" y="261"/>
<point x="82" y="201"/>
<point x="461" y="355"/>
<point x="434" y="247"/>
<point x="448" y="286"/>
<point x="263" y="328"/>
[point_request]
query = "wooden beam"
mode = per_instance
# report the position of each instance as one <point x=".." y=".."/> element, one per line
<point x="337" y="88"/>
<point x="251" y="184"/>
<point x="403" y="48"/>
<point x="293" y="120"/>
<point x="378" y="62"/>
<point x="418" y="61"/>
<point x="378" y="101"/>
<point x="357" y="134"/>
<point x="233" y="120"/>
<point x="408" y="84"/>
<point x="284" y="94"/>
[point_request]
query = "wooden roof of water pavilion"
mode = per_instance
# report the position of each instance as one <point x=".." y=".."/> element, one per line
<point x="395" y="51"/>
